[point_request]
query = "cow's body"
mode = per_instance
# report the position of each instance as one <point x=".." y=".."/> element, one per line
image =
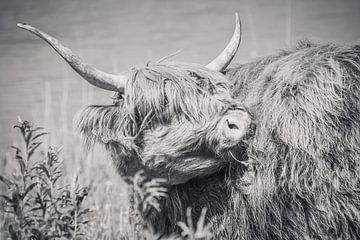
<point x="306" y="152"/>
<point x="301" y="179"/>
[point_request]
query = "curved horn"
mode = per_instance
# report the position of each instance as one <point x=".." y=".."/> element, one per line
<point x="225" y="57"/>
<point x="92" y="75"/>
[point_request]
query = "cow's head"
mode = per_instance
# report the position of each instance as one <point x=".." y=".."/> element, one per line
<point x="173" y="120"/>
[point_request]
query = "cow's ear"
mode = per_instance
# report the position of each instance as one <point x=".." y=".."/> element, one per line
<point x="99" y="124"/>
<point x="107" y="126"/>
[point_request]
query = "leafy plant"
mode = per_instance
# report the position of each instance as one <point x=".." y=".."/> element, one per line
<point x="190" y="232"/>
<point x="147" y="194"/>
<point x="39" y="205"/>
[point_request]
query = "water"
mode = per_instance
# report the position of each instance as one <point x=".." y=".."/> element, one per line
<point x="116" y="35"/>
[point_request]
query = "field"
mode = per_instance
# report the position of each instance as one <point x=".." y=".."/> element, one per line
<point x="114" y="36"/>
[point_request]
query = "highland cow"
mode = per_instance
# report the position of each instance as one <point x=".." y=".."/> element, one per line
<point x="296" y="177"/>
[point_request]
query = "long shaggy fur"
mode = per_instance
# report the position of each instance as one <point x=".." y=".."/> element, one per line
<point x="306" y="151"/>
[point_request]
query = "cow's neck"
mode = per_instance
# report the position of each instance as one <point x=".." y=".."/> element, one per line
<point x="210" y="192"/>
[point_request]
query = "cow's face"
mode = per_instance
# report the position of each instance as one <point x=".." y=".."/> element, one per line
<point x="176" y="121"/>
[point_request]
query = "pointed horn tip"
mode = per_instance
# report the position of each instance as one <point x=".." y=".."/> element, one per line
<point x="24" y="26"/>
<point x="237" y="16"/>
<point x="225" y="57"/>
<point x="237" y="21"/>
<point x="21" y="25"/>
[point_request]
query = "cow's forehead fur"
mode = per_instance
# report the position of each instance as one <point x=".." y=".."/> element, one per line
<point x="155" y="94"/>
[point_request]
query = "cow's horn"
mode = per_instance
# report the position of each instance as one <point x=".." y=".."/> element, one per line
<point x="92" y="75"/>
<point x="225" y="57"/>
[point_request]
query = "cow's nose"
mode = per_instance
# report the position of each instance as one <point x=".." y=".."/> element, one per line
<point x="235" y="125"/>
<point x="231" y="124"/>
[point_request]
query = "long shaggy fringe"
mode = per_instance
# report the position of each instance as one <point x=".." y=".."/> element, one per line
<point x="155" y="94"/>
<point x="306" y="152"/>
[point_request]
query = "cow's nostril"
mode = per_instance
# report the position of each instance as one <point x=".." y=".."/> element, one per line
<point x="232" y="125"/>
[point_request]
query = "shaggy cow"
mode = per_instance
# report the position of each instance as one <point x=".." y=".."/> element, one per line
<point x="296" y="178"/>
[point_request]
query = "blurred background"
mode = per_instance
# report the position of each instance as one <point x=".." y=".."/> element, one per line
<point x="115" y="35"/>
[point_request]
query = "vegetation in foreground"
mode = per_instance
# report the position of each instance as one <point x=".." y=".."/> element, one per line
<point x="40" y="203"/>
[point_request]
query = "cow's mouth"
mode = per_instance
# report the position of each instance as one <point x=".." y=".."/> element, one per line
<point x="235" y="154"/>
<point x="237" y="151"/>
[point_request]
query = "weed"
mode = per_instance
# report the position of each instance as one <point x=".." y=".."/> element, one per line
<point x="39" y="205"/>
